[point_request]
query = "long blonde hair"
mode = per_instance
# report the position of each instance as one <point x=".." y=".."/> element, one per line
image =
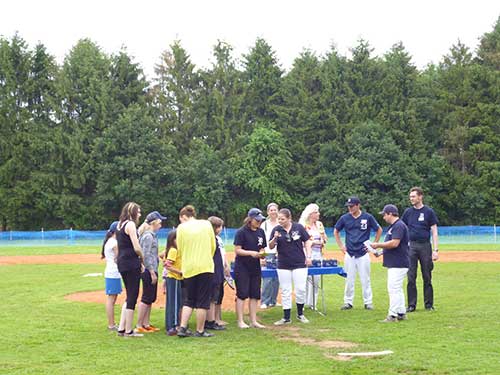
<point x="304" y="217"/>
<point x="147" y="227"/>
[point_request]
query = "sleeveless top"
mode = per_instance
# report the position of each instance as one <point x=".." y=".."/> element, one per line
<point x="127" y="257"/>
<point x="316" y="235"/>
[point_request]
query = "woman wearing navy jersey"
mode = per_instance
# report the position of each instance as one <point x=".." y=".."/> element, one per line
<point x="294" y="256"/>
<point x="249" y="245"/>
<point x="130" y="264"/>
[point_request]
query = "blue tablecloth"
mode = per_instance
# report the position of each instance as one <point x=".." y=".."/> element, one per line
<point x="272" y="273"/>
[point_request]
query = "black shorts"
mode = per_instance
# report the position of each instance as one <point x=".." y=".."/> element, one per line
<point x="149" y="290"/>
<point x="247" y="285"/>
<point x="217" y="293"/>
<point x="198" y="291"/>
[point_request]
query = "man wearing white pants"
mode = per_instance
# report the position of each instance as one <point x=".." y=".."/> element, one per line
<point x="358" y="226"/>
<point x="396" y="260"/>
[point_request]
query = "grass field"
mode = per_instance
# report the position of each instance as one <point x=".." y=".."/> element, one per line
<point x="89" y="249"/>
<point x="45" y="334"/>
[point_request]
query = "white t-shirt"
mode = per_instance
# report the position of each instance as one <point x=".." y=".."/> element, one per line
<point x="268" y="227"/>
<point x="111" y="271"/>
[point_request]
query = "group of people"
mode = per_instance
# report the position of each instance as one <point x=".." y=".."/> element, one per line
<point x="195" y="265"/>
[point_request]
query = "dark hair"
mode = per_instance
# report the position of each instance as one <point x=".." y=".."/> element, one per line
<point x="106" y="238"/>
<point x="216" y="222"/>
<point x="417" y="190"/>
<point x="172" y="236"/>
<point x="188" y="211"/>
<point x="286" y="212"/>
<point x="130" y="212"/>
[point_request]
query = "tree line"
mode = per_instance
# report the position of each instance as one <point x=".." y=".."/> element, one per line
<point x="79" y="139"/>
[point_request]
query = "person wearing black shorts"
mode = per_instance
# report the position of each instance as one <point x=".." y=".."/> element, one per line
<point x="130" y="264"/>
<point x="249" y="245"/>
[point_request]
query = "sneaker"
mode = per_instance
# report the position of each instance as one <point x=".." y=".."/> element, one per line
<point x="282" y="322"/>
<point x="302" y="318"/>
<point x="172" y="332"/>
<point x="430" y="308"/>
<point x="263" y="306"/>
<point x="346" y="306"/>
<point x="152" y="328"/>
<point x="184" y="332"/>
<point x="121" y="333"/>
<point x="132" y="334"/>
<point x="114" y="328"/>
<point x="410" y="309"/>
<point x="141" y="330"/>
<point x="368" y="306"/>
<point x="203" y="334"/>
<point x="402" y="317"/>
<point x="214" y="326"/>
<point x="389" y="319"/>
<point x="271" y="305"/>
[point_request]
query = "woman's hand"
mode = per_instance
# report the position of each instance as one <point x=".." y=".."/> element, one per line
<point x="154" y="278"/>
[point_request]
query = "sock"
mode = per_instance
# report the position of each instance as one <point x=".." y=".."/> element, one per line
<point x="286" y="314"/>
<point x="300" y="309"/>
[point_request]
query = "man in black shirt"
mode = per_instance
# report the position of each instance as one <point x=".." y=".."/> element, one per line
<point x="421" y="221"/>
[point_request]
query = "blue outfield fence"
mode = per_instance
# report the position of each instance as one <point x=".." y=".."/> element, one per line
<point x="447" y="235"/>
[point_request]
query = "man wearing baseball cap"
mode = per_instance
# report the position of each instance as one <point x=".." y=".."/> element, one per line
<point x="396" y="260"/>
<point x="358" y="226"/>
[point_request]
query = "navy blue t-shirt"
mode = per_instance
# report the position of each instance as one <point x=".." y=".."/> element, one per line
<point x="419" y="222"/>
<point x="290" y="246"/>
<point x="253" y="240"/>
<point x="357" y="231"/>
<point x="397" y="257"/>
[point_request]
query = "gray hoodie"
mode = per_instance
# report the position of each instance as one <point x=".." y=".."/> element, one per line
<point x="149" y="245"/>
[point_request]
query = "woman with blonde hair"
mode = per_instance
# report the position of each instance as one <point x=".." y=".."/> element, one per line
<point x="310" y="221"/>
<point x="130" y="264"/>
<point x="148" y="239"/>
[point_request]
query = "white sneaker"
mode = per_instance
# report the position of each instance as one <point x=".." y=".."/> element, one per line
<point x="282" y="322"/>
<point x="302" y="318"/>
<point x="263" y="306"/>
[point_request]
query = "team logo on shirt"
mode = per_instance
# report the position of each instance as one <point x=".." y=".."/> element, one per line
<point x="295" y="235"/>
<point x="421" y="217"/>
<point x="364" y="224"/>
<point x="389" y="231"/>
<point x="260" y="241"/>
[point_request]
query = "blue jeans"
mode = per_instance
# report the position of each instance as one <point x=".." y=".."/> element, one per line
<point x="173" y="303"/>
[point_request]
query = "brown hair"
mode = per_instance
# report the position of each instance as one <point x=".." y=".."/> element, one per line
<point x="286" y="212"/>
<point x="417" y="190"/>
<point x="188" y="211"/>
<point x="171" y="238"/>
<point x="216" y="222"/>
<point x="130" y="212"/>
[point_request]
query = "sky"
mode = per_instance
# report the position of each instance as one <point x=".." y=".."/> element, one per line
<point x="146" y="28"/>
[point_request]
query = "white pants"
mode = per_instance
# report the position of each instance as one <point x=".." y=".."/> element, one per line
<point x="352" y="266"/>
<point x="299" y="278"/>
<point x="395" y="278"/>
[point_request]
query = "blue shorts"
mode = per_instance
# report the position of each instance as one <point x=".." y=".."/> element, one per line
<point x="113" y="286"/>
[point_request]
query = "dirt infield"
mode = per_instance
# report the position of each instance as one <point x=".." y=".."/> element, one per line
<point x="447" y="256"/>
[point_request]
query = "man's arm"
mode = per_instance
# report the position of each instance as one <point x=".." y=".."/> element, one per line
<point x="336" y="234"/>
<point x="435" y="241"/>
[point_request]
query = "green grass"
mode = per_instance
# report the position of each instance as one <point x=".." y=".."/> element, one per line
<point x="45" y="334"/>
<point x="95" y="249"/>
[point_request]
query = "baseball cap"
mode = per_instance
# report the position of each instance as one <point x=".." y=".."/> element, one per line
<point x="113" y="227"/>
<point x="352" y="201"/>
<point x="390" y="209"/>
<point x="256" y="214"/>
<point x="155" y="215"/>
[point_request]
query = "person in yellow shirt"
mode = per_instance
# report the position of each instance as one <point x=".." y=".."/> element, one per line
<point x="173" y="264"/>
<point x="196" y="247"/>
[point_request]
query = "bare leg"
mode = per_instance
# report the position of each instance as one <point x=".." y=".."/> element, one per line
<point x="253" y="313"/>
<point x="110" y="309"/>
<point x="141" y="313"/>
<point x="211" y="312"/>
<point x="240" y="306"/>
<point x="201" y="316"/>
<point x="185" y="315"/>
<point x="218" y="315"/>
<point x="129" y="320"/>
<point x="121" y="327"/>
<point x="147" y="316"/>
